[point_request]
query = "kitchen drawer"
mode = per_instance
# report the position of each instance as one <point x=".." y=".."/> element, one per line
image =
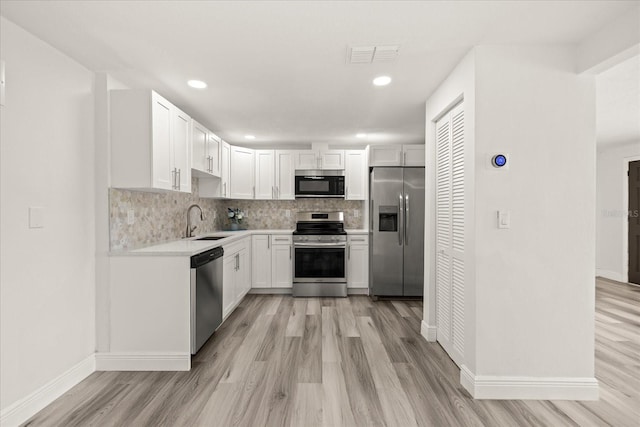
<point x="358" y="239"/>
<point x="281" y="239"/>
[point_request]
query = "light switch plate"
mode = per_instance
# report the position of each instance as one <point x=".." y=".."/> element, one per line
<point x="504" y="219"/>
<point x="287" y="213"/>
<point x="36" y="217"/>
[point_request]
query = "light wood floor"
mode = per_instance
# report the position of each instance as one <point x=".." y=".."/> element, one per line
<point x="280" y="361"/>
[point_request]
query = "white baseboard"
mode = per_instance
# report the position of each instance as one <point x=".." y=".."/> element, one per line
<point x="611" y="275"/>
<point x="528" y="388"/>
<point x="287" y="291"/>
<point x="270" y="291"/>
<point x="428" y="331"/>
<point x="25" y="408"/>
<point x="143" y="361"/>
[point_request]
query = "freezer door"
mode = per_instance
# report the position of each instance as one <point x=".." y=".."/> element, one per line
<point x="387" y="232"/>
<point x="414" y="231"/>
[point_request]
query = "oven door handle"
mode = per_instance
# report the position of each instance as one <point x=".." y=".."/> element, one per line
<point x="321" y="245"/>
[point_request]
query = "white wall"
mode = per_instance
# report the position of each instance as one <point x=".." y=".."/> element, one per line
<point x="458" y="86"/>
<point x="535" y="282"/>
<point x="529" y="291"/>
<point x="611" y="257"/>
<point x="47" y="274"/>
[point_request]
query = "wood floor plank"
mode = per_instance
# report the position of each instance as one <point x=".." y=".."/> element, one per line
<point x="248" y="350"/>
<point x="310" y="364"/>
<point x="336" y="409"/>
<point x="313" y="307"/>
<point x="295" y="326"/>
<point x="307" y="406"/>
<point x="363" y="396"/>
<point x="330" y="349"/>
<point x="349" y="362"/>
<point x="346" y="319"/>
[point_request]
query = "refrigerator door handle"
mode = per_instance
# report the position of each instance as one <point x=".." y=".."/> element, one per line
<point x="406" y="219"/>
<point x="400" y="219"/>
<point x="371" y="214"/>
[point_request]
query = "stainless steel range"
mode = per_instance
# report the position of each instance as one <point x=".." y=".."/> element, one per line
<point x="320" y="262"/>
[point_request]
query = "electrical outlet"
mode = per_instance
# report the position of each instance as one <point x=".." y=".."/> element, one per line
<point x="131" y="217"/>
<point x="287" y="213"/>
<point x="356" y="213"/>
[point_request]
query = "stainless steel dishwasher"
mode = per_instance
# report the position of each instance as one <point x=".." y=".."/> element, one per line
<point x="206" y="296"/>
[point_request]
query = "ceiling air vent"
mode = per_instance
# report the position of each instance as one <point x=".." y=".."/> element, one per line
<point x="385" y="53"/>
<point x="361" y="54"/>
<point x="371" y="54"/>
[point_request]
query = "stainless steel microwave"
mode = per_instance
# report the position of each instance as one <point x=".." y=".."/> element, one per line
<point x="320" y="183"/>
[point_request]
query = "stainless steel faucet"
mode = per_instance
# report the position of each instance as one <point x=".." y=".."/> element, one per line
<point x="189" y="228"/>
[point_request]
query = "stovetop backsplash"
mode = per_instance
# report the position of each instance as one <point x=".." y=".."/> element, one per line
<point x="161" y="217"/>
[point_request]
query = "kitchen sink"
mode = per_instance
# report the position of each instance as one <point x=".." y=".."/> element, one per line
<point x="211" y="238"/>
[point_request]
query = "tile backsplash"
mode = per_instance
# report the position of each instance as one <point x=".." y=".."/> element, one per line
<point x="272" y="214"/>
<point x="161" y="217"/>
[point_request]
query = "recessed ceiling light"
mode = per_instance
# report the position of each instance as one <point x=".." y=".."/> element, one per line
<point x="361" y="135"/>
<point x="382" y="81"/>
<point x="197" y="84"/>
<point x="250" y="137"/>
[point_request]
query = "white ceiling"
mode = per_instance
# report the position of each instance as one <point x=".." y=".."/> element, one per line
<point x="278" y="69"/>
<point x="618" y="104"/>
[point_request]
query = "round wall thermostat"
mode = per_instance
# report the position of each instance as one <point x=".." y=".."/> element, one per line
<point x="499" y="160"/>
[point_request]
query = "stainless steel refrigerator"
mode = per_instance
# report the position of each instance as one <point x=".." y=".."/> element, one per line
<point x="396" y="232"/>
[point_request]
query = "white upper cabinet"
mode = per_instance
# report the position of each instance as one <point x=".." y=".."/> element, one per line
<point x="385" y="155"/>
<point x="225" y="172"/>
<point x="413" y="155"/>
<point x="397" y="155"/>
<point x="356" y="173"/>
<point x="182" y="150"/>
<point x="265" y="174"/>
<point x="274" y="174"/>
<point x="214" y="147"/>
<point x="242" y="166"/>
<point x="331" y="159"/>
<point x="285" y="175"/>
<point x="325" y="159"/>
<point x="150" y="142"/>
<point x="199" y="148"/>
<point x="205" y="151"/>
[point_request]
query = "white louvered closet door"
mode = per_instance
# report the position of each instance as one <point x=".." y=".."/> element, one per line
<point x="450" y="248"/>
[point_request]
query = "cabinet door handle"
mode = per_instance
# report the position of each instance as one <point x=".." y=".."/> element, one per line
<point x="273" y="192"/>
<point x="268" y="242"/>
<point x="289" y="252"/>
<point x="179" y="178"/>
<point x="349" y="252"/>
<point x="254" y="192"/>
<point x="225" y="189"/>
<point x="404" y="158"/>
<point x="346" y="192"/>
<point x="277" y="191"/>
<point x="173" y="179"/>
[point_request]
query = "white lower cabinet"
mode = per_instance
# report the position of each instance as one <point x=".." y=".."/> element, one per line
<point x="358" y="261"/>
<point x="236" y="274"/>
<point x="271" y="261"/>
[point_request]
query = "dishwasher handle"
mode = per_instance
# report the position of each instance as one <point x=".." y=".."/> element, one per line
<point x="206" y="257"/>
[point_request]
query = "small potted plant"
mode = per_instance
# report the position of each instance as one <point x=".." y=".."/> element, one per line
<point x="235" y="216"/>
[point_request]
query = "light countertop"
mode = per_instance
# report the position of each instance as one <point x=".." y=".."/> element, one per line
<point x="191" y="246"/>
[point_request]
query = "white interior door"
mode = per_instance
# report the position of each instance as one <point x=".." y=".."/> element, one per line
<point x="450" y="238"/>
